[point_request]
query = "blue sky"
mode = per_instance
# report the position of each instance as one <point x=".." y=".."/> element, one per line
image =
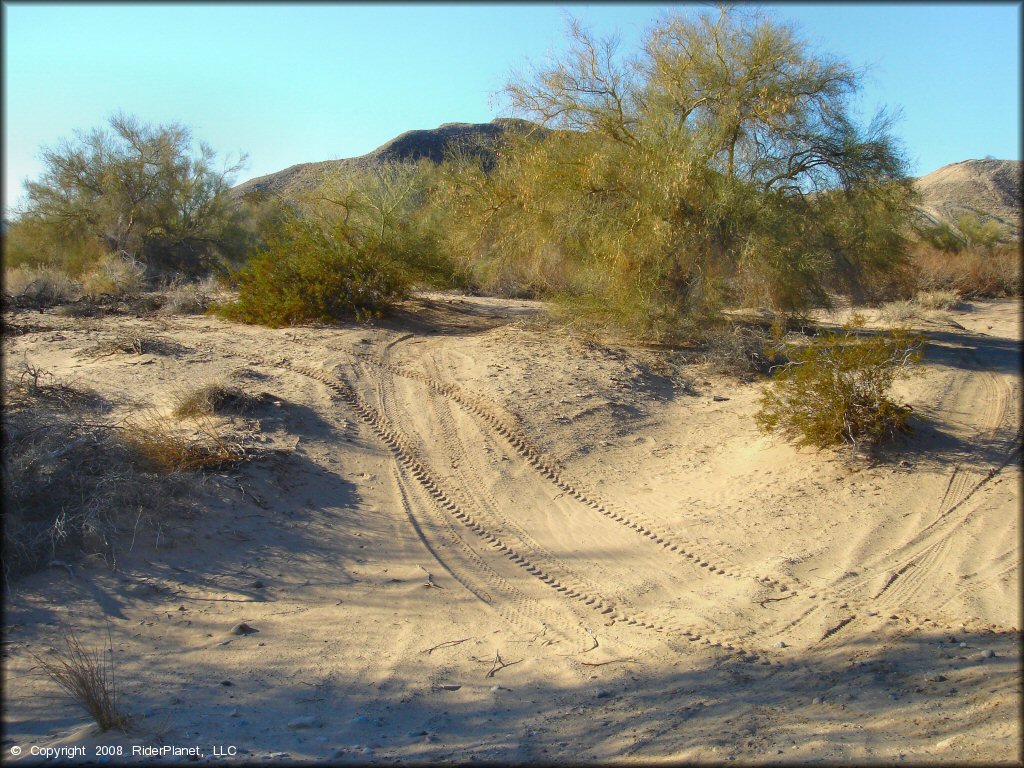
<point x="299" y="83"/>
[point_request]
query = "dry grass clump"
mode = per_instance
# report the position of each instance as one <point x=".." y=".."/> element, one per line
<point x="164" y="448"/>
<point x="214" y="397"/>
<point x="976" y="272"/>
<point x="114" y="275"/>
<point x="834" y="389"/>
<point x="188" y="298"/>
<point x="900" y="312"/>
<point x="40" y="286"/>
<point x="938" y="299"/>
<point x="738" y="349"/>
<point x="87" y="677"/>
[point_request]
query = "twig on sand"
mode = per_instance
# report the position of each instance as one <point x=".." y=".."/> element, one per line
<point x="430" y="650"/>
<point x="610" y="661"/>
<point x="775" y="599"/>
<point x="499" y="664"/>
<point x="430" y="579"/>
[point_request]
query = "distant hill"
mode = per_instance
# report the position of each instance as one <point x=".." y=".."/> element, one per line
<point x="476" y="139"/>
<point x="990" y="189"/>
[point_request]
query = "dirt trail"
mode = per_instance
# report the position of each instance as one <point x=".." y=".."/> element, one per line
<point x="485" y="538"/>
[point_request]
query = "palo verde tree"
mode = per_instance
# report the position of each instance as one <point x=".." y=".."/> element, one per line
<point x="136" y="189"/>
<point x="723" y="161"/>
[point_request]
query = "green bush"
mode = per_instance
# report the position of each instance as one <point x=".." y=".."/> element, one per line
<point x="148" y="191"/>
<point x="310" y="271"/>
<point x="835" y="389"/>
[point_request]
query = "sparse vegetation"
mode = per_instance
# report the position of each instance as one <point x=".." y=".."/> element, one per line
<point x="88" y="678"/>
<point x="70" y="484"/>
<point x="835" y="389"/>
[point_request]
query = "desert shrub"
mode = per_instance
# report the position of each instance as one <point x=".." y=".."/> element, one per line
<point x="162" y="447"/>
<point x="973" y="272"/>
<point x="145" y="190"/>
<point x="835" y="389"/>
<point x="40" y="286"/>
<point x="212" y="398"/>
<point x="88" y="678"/>
<point x="311" y="271"/>
<point x="114" y="274"/>
<point x="938" y="299"/>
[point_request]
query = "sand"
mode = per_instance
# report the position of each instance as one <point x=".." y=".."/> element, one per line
<point x="475" y="536"/>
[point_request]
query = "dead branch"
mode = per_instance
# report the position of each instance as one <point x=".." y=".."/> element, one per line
<point x="430" y="579"/>
<point x="499" y="664"/>
<point x="775" y="599"/>
<point x="446" y="643"/>
<point x="610" y="661"/>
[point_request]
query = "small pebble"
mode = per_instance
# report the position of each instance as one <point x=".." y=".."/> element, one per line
<point x="988" y="653"/>
<point x="935" y="678"/>
<point x="243" y="629"/>
<point x="780" y="644"/>
<point x="305" y="722"/>
<point x="816" y="700"/>
<point x="601" y="693"/>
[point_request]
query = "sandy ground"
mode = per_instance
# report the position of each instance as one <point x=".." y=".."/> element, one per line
<point x="483" y="539"/>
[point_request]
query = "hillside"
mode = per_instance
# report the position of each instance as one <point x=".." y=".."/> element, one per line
<point x="478" y="139"/>
<point x="988" y="188"/>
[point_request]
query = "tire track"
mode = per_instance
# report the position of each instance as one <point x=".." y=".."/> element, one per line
<point x="490" y="515"/>
<point x="524" y="448"/>
<point x="406" y="458"/>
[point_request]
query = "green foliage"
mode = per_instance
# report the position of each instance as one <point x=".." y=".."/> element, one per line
<point x="835" y="389"/>
<point x="720" y="164"/>
<point x="981" y="234"/>
<point x="311" y="271"/>
<point x="388" y="206"/>
<point x="942" y="236"/>
<point x="134" y="189"/>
